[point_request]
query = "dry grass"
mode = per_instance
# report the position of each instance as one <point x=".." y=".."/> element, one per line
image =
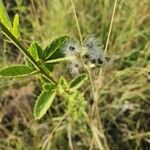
<point x="123" y="100"/>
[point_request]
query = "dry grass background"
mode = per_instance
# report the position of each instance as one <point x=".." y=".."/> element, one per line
<point x="124" y="104"/>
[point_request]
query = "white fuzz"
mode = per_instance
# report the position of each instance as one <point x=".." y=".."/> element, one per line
<point x="90" y="55"/>
<point x="74" y="68"/>
<point x="94" y="49"/>
<point x="71" y="48"/>
<point x="91" y="42"/>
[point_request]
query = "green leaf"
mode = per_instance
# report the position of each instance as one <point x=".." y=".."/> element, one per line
<point x="78" y="81"/>
<point x="4" y="18"/>
<point x="50" y="67"/>
<point x="16" y="31"/>
<point x="53" y="51"/>
<point x="63" y="85"/>
<point x="76" y="105"/>
<point x="15" y="71"/>
<point x="48" y="86"/>
<point x="63" y="82"/>
<point x="54" y="48"/>
<point x="35" y="51"/>
<point x="44" y="102"/>
<point x="29" y="64"/>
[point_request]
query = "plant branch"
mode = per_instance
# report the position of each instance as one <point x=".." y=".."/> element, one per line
<point x="25" y="52"/>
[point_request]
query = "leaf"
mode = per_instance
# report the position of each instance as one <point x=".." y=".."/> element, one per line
<point x="48" y="86"/>
<point x="15" y="71"/>
<point x="44" y="102"/>
<point x="63" y="82"/>
<point x="29" y="64"/>
<point x="78" y="81"/>
<point x="35" y="51"/>
<point x="15" y="30"/>
<point x="4" y="18"/>
<point x="53" y="51"/>
<point x="63" y="85"/>
<point x="53" y="48"/>
<point x="76" y="105"/>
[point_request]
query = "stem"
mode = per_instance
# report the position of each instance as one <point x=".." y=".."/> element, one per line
<point x="47" y="142"/>
<point x="36" y="19"/>
<point x="57" y="60"/>
<point x="25" y="52"/>
<point x="77" y="22"/>
<point x="139" y="135"/>
<point x="100" y="76"/>
<point x="109" y="33"/>
<point x="69" y="136"/>
<point x="110" y="27"/>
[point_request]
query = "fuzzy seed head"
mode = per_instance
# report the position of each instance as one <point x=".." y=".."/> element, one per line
<point x="90" y="55"/>
<point x="94" y="49"/>
<point x="71" y="48"/>
<point x="74" y="68"/>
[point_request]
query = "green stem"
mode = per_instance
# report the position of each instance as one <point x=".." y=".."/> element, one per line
<point x="57" y="60"/>
<point x="25" y="52"/>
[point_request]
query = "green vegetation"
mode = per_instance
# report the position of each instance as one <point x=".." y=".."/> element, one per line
<point x="44" y="106"/>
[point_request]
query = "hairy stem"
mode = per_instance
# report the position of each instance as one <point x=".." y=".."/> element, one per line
<point x="25" y="52"/>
